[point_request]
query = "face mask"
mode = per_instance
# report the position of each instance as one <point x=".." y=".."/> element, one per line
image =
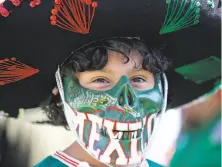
<point x="113" y="125"/>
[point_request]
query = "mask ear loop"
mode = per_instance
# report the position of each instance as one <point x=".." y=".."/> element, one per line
<point x="67" y="108"/>
<point x="164" y="90"/>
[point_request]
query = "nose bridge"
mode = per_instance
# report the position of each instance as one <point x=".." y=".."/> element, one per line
<point x="126" y="95"/>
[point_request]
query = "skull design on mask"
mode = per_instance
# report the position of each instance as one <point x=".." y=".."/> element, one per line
<point x="114" y="125"/>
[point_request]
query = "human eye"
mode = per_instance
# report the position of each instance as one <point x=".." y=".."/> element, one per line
<point x="138" y="79"/>
<point x="100" y="80"/>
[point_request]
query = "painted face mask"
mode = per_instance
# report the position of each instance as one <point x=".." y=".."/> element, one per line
<point x="113" y="125"/>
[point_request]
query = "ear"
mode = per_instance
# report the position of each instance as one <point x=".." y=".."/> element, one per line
<point x="55" y="91"/>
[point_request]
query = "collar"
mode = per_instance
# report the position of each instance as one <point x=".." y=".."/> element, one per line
<point x="72" y="162"/>
<point x="68" y="160"/>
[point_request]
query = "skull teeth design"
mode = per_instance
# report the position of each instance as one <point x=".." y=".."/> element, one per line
<point x="122" y="135"/>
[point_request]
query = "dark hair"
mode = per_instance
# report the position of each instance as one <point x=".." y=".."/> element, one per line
<point x="95" y="56"/>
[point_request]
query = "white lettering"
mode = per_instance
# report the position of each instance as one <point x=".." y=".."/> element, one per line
<point x="133" y="147"/>
<point x="135" y="156"/>
<point x="79" y="124"/>
<point x="113" y="146"/>
<point x="94" y="136"/>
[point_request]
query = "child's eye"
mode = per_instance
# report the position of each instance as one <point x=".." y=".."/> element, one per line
<point x="100" y="80"/>
<point x="138" y="79"/>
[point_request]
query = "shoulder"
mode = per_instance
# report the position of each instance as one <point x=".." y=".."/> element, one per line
<point x="50" y="161"/>
<point x="59" y="159"/>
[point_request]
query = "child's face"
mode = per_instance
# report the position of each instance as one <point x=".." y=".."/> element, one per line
<point x="110" y="110"/>
<point x="116" y="68"/>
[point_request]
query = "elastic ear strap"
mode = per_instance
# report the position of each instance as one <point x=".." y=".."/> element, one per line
<point x="165" y="91"/>
<point x="160" y="84"/>
<point x="67" y="108"/>
<point x="61" y="92"/>
<point x="59" y="84"/>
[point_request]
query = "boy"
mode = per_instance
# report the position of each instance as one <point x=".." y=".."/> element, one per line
<point x="111" y="89"/>
<point x="114" y="90"/>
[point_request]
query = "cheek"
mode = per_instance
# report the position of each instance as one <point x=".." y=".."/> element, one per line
<point x="86" y="84"/>
<point x="144" y="86"/>
<point x="97" y="86"/>
<point x="149" y="85"/>
<point x="84" y="79"/>
<point x="83" y="84"/>
<point x="151" y="82"/>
